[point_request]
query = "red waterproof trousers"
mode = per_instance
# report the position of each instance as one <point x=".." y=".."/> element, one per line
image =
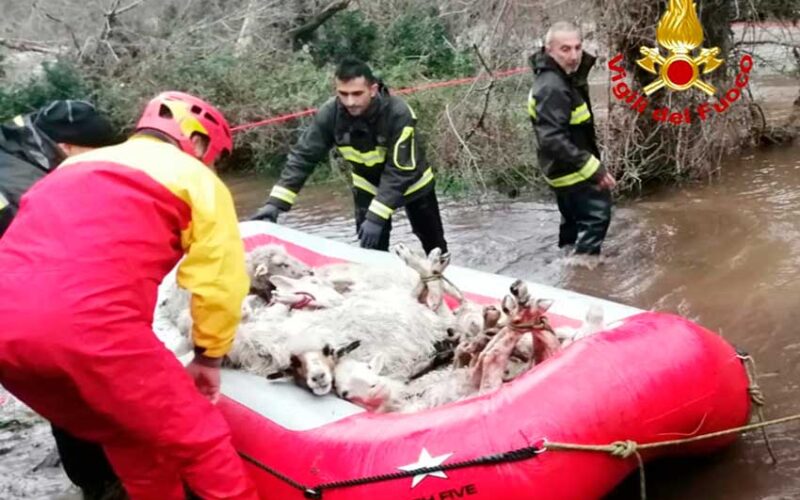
<point x="101" y="374"/>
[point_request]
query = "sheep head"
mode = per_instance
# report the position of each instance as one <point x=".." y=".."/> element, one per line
<point x="305" y="292"/>
<point x="362" y="384"/>
<point x="272" y="260"/>
<point x="314" y="369"/>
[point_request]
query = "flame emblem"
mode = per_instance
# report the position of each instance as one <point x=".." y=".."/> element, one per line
<point x="679" y="31"/>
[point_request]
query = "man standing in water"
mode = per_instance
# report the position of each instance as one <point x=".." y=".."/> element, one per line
<point x="377" y="134"/>
<point x="562" y="119"/>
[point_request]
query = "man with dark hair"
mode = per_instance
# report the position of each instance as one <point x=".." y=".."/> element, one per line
<point x="561" y="114"/>
<point x="376" y="133"/>
<point x="32" y="145"/>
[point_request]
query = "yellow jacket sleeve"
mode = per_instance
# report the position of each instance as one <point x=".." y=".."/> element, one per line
<point x="213" y="269"/>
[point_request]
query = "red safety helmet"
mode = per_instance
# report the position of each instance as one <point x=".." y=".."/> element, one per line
<point x="180" y="115"/>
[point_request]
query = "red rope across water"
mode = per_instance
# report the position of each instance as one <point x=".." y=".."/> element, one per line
<point x="403" y="91"/>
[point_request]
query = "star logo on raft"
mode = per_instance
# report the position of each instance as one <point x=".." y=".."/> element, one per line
<point x="679" y="31"/>
<point x="426" y="460"/>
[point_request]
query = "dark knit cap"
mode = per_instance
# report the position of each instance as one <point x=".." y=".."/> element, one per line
<point x="75" y="122"/>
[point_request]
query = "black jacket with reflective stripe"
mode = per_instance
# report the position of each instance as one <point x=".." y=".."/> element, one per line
<point x="26" y="155"/>
<point x="382" y="147"/>
<point x="561" y="113"/>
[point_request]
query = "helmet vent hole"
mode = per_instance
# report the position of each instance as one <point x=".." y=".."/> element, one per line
<point x="211" y="119"/>
<point x="164" y="112"/>
<point x="197" y="109"/>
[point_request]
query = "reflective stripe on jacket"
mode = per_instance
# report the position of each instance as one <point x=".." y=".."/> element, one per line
<point x="382" y="147"/>
<point x="121" y="217"/>
<point x="561" y="115"/>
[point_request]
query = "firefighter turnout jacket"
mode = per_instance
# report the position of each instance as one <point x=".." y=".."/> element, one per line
<point x="561" y="113"/>
<point x="382" y="147"/>
<point x="26" y="155"/>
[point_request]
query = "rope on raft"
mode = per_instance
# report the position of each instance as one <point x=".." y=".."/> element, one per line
<point x="623" y="450"/>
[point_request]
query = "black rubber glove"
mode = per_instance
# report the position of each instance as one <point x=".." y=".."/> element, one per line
<point x="370" y="234"/>
<point x="267" y="212"/>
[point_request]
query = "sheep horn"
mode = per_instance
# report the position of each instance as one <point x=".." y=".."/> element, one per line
<point x="348" y="348"/>
<point x="286" y="372"/>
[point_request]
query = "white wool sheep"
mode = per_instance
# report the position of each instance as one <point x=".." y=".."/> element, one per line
<point x="388" y="320"/>
<point x="384" y="321"/>
<point x="352" y="278"/>
<point x="308" y="292"/>
<point x="378" y="306"/>
<point x="262" y="263"/>
<point x="363" y="384"/>
<point x="310" y="314"/>
<point x="272" y="260"/>
<point x="468" y="321"/>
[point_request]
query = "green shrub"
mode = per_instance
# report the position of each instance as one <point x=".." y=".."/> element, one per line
<point x="422" y="37"/>
<point x="346" y="34"/>
<point x="59" y="80"/>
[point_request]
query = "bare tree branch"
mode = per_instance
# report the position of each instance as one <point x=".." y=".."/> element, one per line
<point x="245" y="38"/>
<point x="28" y="46"/>
<point x="128" y="7"/>
<point x="317" y="20"/>
<point x="68" y="27"/>
<point x="487" y="95"/>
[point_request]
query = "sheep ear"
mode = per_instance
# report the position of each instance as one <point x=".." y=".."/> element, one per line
<point x="261" y="270"/>
<point x="376" y="363"/>
<point x="284" y="284"/>
<point x="294" y="361"/>
<point x="542" y="305"/>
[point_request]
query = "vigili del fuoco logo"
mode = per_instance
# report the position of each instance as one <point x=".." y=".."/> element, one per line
<point x="680" y="33"/>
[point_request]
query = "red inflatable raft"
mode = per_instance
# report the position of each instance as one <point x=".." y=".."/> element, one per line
<point x="650" y="377"/>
